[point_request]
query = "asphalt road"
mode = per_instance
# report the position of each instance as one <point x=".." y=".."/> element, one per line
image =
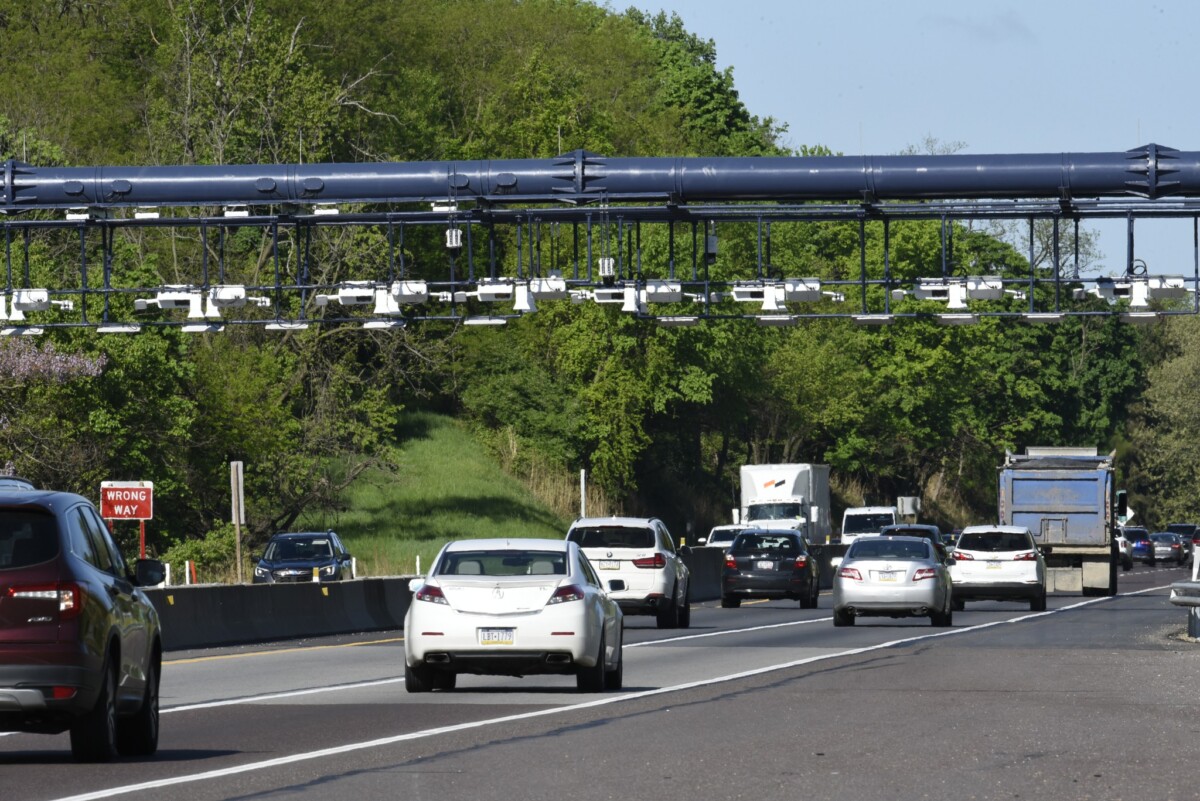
<point x="1093" y="699"/>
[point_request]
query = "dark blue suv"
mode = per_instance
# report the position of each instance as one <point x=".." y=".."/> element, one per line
<point x="304" y="556"/>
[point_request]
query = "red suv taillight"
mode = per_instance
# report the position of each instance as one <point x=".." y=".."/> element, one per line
<point x="433" y="595"/>
<point x="656" y="561"/>
<point x="1028" y="556"/>
<point x="801" y="562"/>
<point x="68" y="596"/>
<point x="963" y="556"/>
<point x="730" y="562"/>
<point x="568" y="593"/>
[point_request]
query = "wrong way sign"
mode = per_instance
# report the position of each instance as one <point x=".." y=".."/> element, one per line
<point x="127" y="500"/>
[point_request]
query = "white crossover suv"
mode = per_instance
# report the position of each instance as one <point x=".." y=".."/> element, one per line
<point x="640" y="566"/>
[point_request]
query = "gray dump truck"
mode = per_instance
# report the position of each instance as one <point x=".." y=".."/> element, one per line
<point x="1065" y="496"/>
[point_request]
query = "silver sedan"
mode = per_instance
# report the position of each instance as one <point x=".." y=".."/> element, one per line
<point x="892" y="577"/>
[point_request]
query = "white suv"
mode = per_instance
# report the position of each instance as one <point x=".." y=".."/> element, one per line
<point x="639" y="565"/>
<point x="998" y="563"/>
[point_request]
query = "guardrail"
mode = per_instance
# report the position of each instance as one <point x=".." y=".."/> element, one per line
<point x="1187" y="593"/>
<point x="209" y="615"/>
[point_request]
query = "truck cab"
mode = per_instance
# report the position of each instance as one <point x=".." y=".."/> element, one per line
<point x="862" y="521"/>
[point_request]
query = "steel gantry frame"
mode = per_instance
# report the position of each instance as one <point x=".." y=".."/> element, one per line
<point x="591" y="212"/>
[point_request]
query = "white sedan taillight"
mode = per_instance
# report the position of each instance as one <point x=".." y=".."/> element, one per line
<point x="924" y="573"/>
<point x="570" y="592"/>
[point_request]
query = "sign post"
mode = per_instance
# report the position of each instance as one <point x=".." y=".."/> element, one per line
<point x="128" y="500"/>
<point x="238" y="512"/>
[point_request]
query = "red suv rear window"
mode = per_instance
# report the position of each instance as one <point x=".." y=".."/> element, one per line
<point x="26" y="538"/>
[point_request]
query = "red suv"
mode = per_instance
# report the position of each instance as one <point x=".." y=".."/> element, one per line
<point x="80" y="646"/>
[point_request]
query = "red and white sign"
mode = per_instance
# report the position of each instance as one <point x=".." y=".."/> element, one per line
<point x="127" y="500"/>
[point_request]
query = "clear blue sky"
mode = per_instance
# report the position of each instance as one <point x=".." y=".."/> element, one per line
<point x="1009" y="76"/>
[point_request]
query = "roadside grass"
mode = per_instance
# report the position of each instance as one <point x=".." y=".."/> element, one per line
<point x="448" y="487"/>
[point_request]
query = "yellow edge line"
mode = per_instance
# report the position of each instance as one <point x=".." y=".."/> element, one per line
<point x="217" y="657"/>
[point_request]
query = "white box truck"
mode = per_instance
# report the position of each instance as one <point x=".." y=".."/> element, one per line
<point x="792" y="496"/>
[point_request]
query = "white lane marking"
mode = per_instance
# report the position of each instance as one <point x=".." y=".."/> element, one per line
<point x="727" y="631"/>
<point x="275" y="696"/>
<point x="419" y="735"/>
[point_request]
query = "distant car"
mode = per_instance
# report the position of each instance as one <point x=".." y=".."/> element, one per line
<point x="923" y="530"/>
<point x="1188" y="534"/>
<point x="722" y="536"/>
<point x="1167" y="547"/>
<point x="1141" y="547"/>
<point x="512" y="607"/>
<point x="1124" y="550"/>
<point x="80" y="644"/>
<point x="298" y="556"/>
<point x="893" y="577"/>
<point x="640" y="554"/>
<point x="770" y="563"/>
<point x="998" y="563"/>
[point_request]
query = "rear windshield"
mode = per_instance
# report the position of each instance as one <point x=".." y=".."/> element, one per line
<point x="1163" y="537"/>
<point x="782" y="510"/>
<point x="1136" y="534"/>
<point x="913" y="532"/>
<point x="766" y="542"/>
<point x="26" y="538"/>
<point x="503" y="563"/>
<point x="1182" y="528"/>
<point x="995" y="541"/>
<point x="721" y="536"/>
<point x="887" y="548"/>
<point x="612" y="537"/>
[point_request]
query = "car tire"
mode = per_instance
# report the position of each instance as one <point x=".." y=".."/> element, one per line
<point x="591" y="679"/>
<point x="941" y="619"/>
<point x="958" y="604"/>
<point x="809" y="599"/>
<point x="418" y="679"/>
<point x="614" y="679"/>
<point x="137" y="735"/>
<point x="1038" y="602"/>
<point x="1127" y="564"/>
<point x="729" y="602"/>
<point x="445" y="680"/>
<point x="667" y="616"/>
<point x="842" y="618"/>
<point x="684" y="621"/>
<point x="94" y="736"/>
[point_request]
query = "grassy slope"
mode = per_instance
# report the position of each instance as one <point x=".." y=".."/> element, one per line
<point x="448" y="488"/>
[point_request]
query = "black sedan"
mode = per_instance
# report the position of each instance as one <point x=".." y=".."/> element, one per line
<point x="765" y="563"/>
<point x="304" y="556"/>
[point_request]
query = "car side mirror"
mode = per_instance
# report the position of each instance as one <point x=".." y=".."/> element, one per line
<point x="616" y="585"/>
<point x="149" y="573"/>
<point x="950" y="561"/>
<point x="702" y="541"/>
<point x="415" y="584"/>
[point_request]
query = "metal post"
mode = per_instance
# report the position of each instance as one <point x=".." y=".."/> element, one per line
<point x="583" y="493"/>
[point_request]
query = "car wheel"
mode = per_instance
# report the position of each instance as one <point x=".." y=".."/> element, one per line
<point x="809" y="599"/>
<point x="591" y="679"/>
<point x="418" y="679"/>
<point x="137" y="735"/>
<point x="444" y="680"/>
<point x="842" y="618"/>
<point x="729" y="602"/>
<point x="668" y="614"/>
<point x="1127" y="564"/>
<point x="958" y="604"/>
<point x="615" y="678"/>
<point x="94" y="736"/>
<point x="685" y="611"/>
<point x="1038" y="602"/>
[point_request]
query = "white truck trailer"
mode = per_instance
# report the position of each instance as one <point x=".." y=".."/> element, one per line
<point x="794" y="496"/>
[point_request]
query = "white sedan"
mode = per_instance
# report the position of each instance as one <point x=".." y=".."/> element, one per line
<point x="512" y="608"/>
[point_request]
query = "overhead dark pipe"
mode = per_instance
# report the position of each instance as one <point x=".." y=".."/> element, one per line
<point x="1151" y="171"/>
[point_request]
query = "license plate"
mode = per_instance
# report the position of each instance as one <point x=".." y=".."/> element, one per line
<point x="496" y="636"/>
<point x="764" y="565"/>
<point x="610" y="564"/>
<point x="993" y="565"/>
<point x="888" y="575"/>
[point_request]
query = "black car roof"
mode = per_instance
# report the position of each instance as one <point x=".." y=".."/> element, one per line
<point x="47" y="499"/>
